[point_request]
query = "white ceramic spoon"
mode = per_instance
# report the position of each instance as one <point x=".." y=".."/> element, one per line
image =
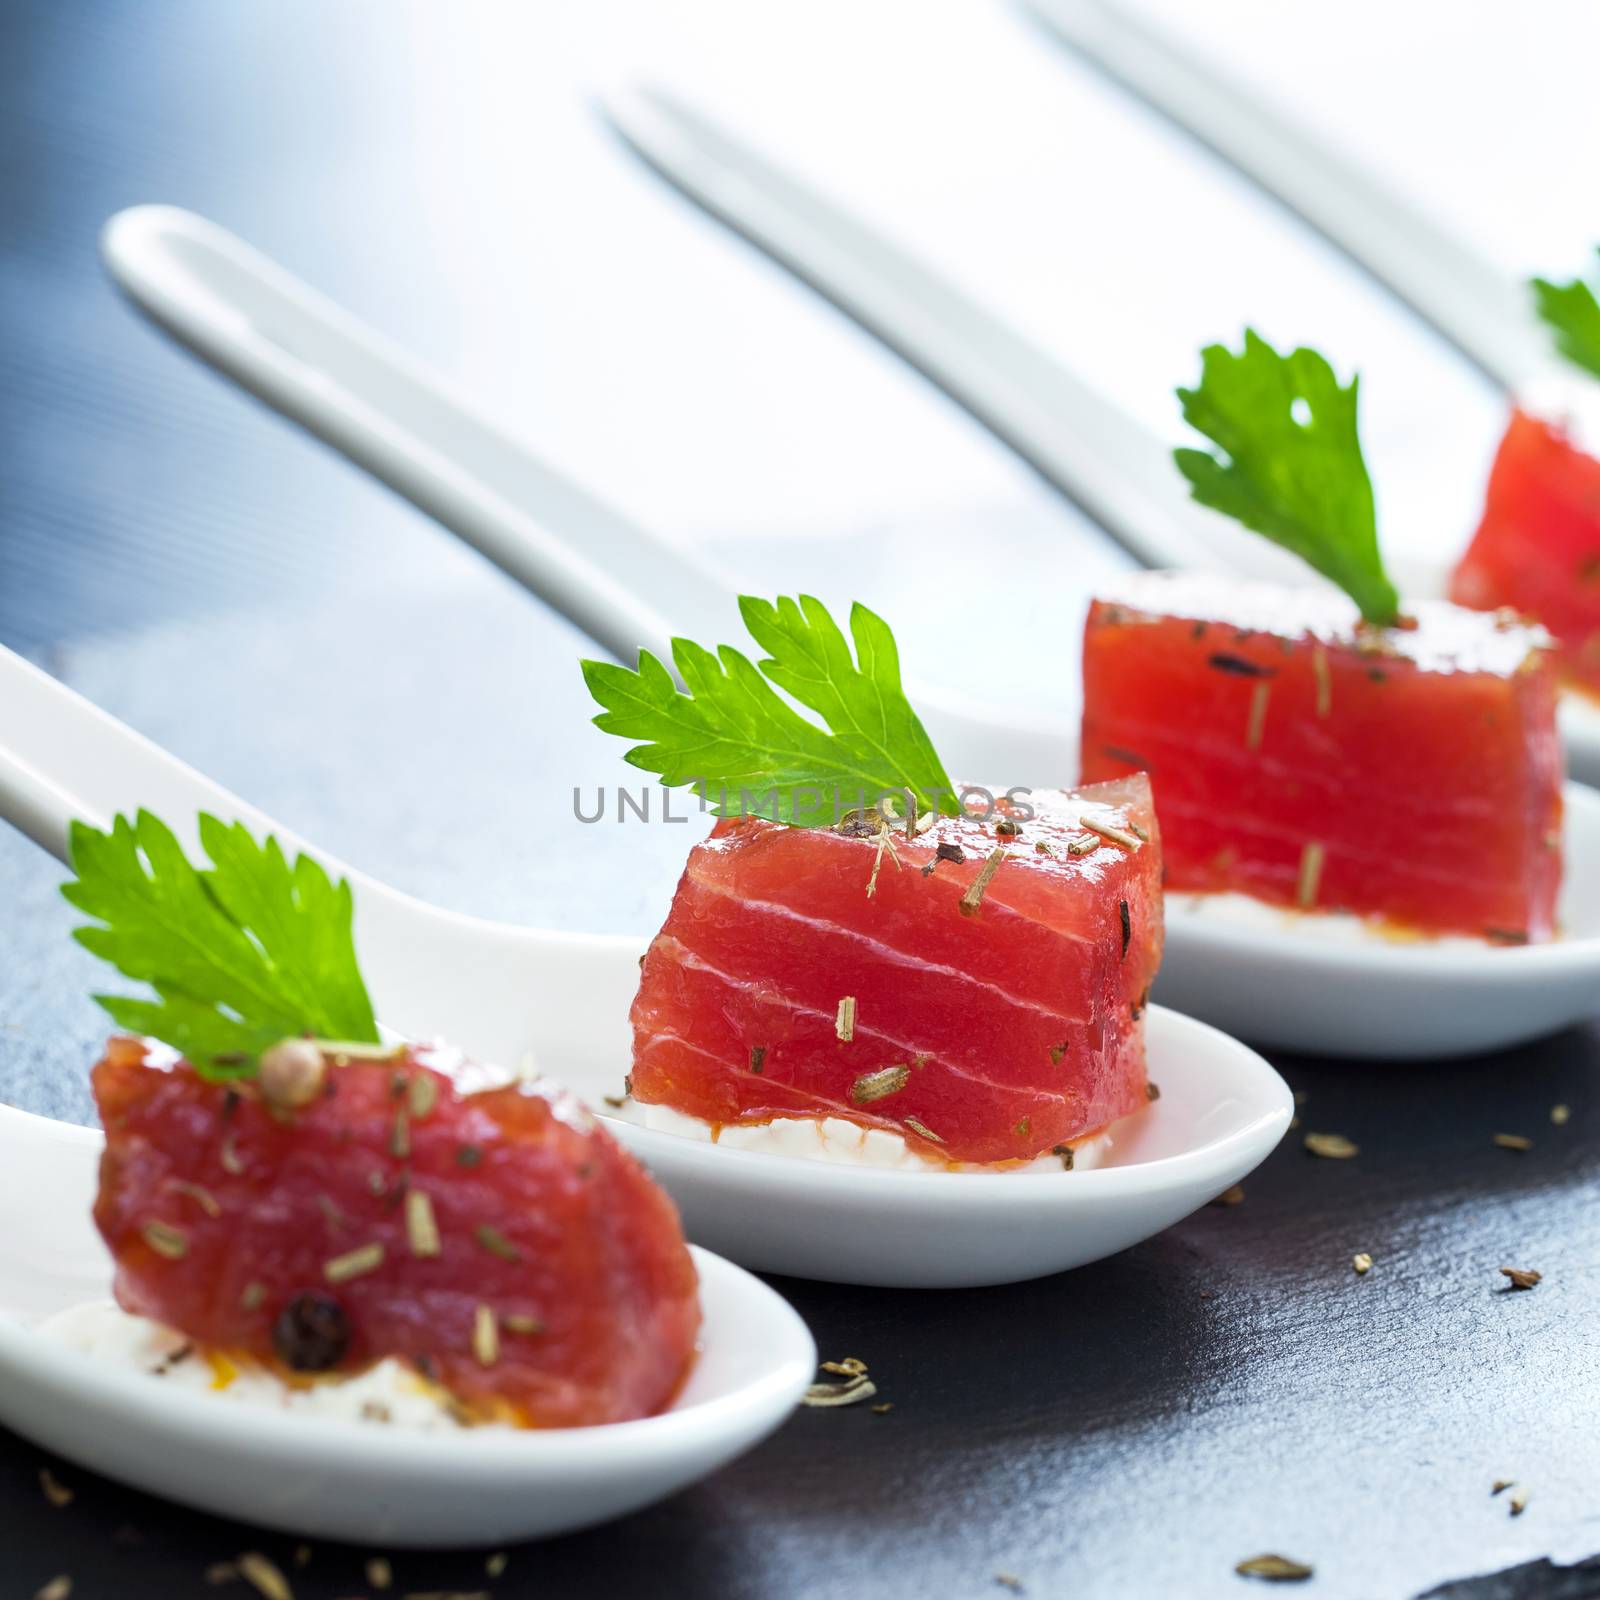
<point x="1298" y="983"/>
<point x="316" y="1477"/>
<point x="504" y="994"/>
<point x="1119" y="471"/>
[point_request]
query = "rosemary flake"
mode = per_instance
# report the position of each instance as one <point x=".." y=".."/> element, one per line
<point x="353" y="1263"/>
<point x="422" y="1227"/>
<point x="423" y="1095"/>
<point x="517" y="1322"/>
<point x="758" y="1059"/>
<point x="1319" y="670"/>
<point x="496" y="1243"/>
<point x="201" y="1197"/>
<point x="1310" y="877"/>
<point x="973" y="898"/>
<point x="165" y="1240"/>
<point x="1127" y="928"/>
<point x="844" y="1021"/>
<point x="485" y="1337"/>
<point x="1106" y="831"/>
<point x="1056" y="1053"/>
<point x="922" y="1130"/>
<point x="879" y="1085"/>
<point x="1257" y="723"/>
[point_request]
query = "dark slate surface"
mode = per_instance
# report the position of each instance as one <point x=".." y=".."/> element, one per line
<point x="1134" y="1428"/>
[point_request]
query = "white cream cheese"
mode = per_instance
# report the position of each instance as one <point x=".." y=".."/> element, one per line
<point x="839" y="1140"/>
<point x="1336" y="927"/>
<point x="387" y="1393"/>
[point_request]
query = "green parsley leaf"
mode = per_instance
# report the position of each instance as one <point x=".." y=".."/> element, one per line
<point x="240" y="955"/>
<point x="1574" y="314"/>
<point x="733" y="738"/>
<point x="1290" y="464"/>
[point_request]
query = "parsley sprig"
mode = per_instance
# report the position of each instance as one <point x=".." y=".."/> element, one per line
<point x="741" y="745"/>
<point x="1573" y="315"/>
<point x="240" y="954"/>
<point x="1290" y="463"/>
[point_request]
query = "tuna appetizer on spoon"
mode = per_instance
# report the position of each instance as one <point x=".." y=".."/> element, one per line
<point x="1315" y="751"/>
<point x="314" y="1219"/>
<point x="1537" y="548"/>
<point x="865" y="961"/>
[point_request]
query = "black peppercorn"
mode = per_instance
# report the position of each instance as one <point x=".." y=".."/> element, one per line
<point x="312" y="1333"/>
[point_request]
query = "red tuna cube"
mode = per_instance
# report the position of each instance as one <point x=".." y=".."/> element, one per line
<point x="996" y="972"/>
<point x="1409" y="773"/>
<point x="1537" y="549"/>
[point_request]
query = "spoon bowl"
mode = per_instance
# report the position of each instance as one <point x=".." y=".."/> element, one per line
<point x="364" y="1482"/>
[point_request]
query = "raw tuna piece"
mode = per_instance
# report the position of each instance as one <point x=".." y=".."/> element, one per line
<point x="1537" y="549"/>
<point x="987" y="1034"/>
<point x="219" y="1214"/>
<point x="1413" y="774"/>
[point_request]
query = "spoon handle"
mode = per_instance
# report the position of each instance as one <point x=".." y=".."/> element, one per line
<point x="63" y="759"/>
<point x="357" y="391"/>
<point x="1482" y="311"/>
<point x="1118" y="470"/>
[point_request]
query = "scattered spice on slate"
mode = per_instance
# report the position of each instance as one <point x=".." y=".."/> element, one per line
<point x="1513" y="1141"/>
<point x="1561" y="1115"/>
<point x="58" y="1588"/>
<point x="379" y="1573"/>
<point x="55" y="1491"/>
<point x="1518" y="1502"/>
<point x="264" y="1577"/>
<point x="1331" y="1146"/>
<point x="1230" y="1197"/>
<point x="883" y="1408"/>
<point x="302" y="1555"/>
<point x="1274" y="1569"/>
<point x="496" y="1565"/>
<point x="1362" y="1262"/>
<point x="852" y="1391"/>
<point x="1501" y="1484"/>
<point x="1006" y="1580"/>
<point x="1521" y="1277"/>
